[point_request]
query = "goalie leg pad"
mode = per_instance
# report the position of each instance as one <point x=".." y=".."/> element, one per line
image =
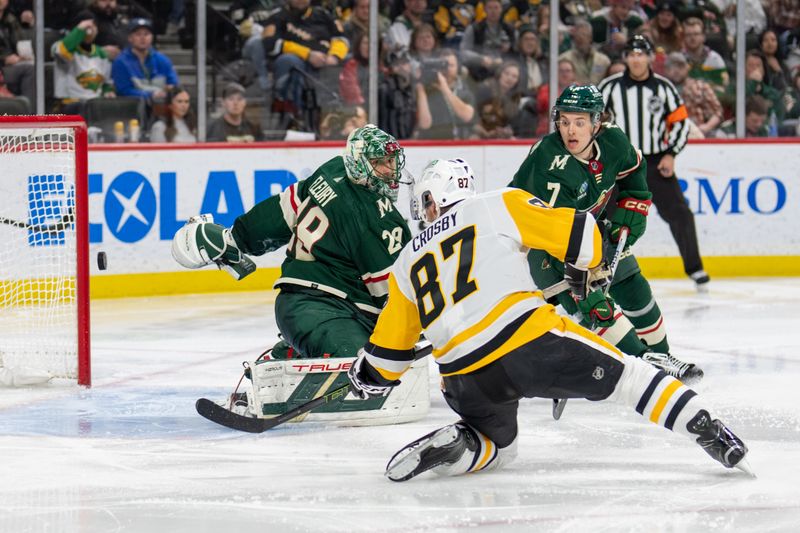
<point x="278" y="386"/>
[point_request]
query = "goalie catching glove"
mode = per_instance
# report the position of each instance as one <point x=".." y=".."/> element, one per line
<point x="631" y="213"/>
<point x="201" y="242"/>
<point x="365" y="381"/>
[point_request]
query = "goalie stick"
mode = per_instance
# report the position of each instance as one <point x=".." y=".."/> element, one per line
<point x="56" y="227"/>
<point x="560" y="403"/>
<point x="224" y="417"/>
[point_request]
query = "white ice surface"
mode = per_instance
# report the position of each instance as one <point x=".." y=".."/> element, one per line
<point x="131" y="454"/>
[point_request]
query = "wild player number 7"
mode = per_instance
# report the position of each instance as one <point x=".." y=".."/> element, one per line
<point x="431" y="289"/>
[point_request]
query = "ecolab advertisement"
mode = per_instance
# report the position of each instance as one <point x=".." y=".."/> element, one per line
<point x="744" y="195"/>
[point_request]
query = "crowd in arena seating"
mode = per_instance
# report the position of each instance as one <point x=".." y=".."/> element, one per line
<point x="463" y="69"/>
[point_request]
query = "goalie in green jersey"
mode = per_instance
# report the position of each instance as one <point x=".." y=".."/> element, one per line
<point x="343" y="233"/>
<point x="583" y="165"/>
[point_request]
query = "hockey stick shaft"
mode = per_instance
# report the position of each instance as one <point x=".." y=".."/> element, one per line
<point x="56" y="227"/>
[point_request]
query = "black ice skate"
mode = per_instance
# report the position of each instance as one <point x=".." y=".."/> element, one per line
<point x="444" y="446"/>
<point x="719" y="441"/>
<point x="688" y="373"/>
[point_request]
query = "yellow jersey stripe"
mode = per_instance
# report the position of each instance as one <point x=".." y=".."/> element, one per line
<point x="488" y="446"/>
<point x="540" y="322"/>
<point x="663" y="399"/>
<point x="487" y="320"/>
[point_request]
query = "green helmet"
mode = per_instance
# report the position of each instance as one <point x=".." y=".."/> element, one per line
<point x="368" y="145"/>
<point x="580" y="99"/>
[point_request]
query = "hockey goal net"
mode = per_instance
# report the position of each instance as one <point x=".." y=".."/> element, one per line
<point x="44" y="255"/>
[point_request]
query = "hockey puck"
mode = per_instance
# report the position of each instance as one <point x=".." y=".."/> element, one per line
<point x="102" y="260"/>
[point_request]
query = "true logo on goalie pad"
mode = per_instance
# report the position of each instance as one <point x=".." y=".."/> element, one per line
<point x="278" y="386"/>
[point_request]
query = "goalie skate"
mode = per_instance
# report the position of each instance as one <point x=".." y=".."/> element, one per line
<point x="719" y="442"/>
<point x="688" y="373"/>
<point x="444" y="446"/>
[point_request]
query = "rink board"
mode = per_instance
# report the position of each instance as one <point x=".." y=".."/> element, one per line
<point x="744" y="196"/>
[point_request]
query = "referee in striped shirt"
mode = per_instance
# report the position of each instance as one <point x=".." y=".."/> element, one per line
<point x="650" y="111"/>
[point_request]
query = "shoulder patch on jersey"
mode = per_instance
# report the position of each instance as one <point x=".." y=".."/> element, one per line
<point x="538" y="203"/>
<point x="385" y="205"/>
<point x="559" y="162"/>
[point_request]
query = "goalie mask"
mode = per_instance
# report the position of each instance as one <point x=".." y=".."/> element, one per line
<point x="444" y="182"/>
<point x="374" y="159"/>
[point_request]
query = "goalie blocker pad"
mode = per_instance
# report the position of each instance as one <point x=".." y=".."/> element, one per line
<point x="278" y="386"/>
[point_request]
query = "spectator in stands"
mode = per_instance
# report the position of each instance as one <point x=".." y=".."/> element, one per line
<point x="590" y="65"/>
<point x="486" y="42"/>
<point x="566" y="77"/>
<point x="175" y="20"/>
<point x="82" y="69"/>
<point x="232" y="126"/>
<point x="755" y="119"/>
<point x="497" y="102"/>
<point x="112" y="34"/>
<point x="775" y="74"/>
<point x="18" y="70"/>
<point x="336" y="124"/>
<point x="518" y="13"/>
<point x="250" y="17"/>
<point x="140" y="70"/>
<point x="665" y="29"/>
<point x="399" y="34"/>
<point x="452" y="17"/>
<point x="784" y="15"/>
<point x="705" y="63"/>
<point x="715" y="29"/>
<point x="533" y="64"/>
<point x="179" y="125"/>
<point x="358" y="22"/>
<point x="755" y="19"/>
<point x="424" y="44"/>
<point x="702" y="105"/>
<point x="613" y="25"/>
<point x="354" y="78"/>
<point x="754" y="84"/>
<point x="792" y="100"/>
<point x="302" y="39"/>
<point x="397" y="97"/>
<point x="446" y="105"/>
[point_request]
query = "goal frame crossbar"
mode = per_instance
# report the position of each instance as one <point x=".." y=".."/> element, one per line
<point x="78" y="125"/>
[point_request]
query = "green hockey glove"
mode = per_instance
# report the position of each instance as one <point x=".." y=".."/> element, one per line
<point x="597" y="309"/>
<point x="631" y="213"/>
<point x="201" y="242"/>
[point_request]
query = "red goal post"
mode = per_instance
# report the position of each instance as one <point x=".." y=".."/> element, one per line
<point x="44" y="260"/>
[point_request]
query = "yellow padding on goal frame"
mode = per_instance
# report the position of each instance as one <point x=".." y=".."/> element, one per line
<point x="211" y="280"/>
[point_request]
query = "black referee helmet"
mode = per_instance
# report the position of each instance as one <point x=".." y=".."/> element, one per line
<point x="639" y="43"/>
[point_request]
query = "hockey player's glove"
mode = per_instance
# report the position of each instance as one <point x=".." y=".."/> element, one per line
<point x="631" y="213"/>
<point x="578" y="281"/>
<point x="597" y="309"/>
<point x="365" y="381"/>
<point x="201" y="242"/>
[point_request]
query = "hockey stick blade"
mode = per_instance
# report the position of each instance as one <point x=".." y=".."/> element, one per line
<point x="219" y="415"/>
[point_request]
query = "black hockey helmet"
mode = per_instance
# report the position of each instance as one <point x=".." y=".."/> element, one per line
<point x="639" y="43"/>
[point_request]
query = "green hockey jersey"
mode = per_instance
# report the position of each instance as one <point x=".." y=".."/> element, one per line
<point x="342" y="238"/>
<point x="551" y="173"/>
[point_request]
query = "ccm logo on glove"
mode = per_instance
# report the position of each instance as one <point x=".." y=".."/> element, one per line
<point x="632" y="204"/>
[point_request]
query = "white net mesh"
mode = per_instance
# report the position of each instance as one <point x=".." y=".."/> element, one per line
<point x="38" y="299"/>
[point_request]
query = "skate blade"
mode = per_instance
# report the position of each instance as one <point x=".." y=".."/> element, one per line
<point x="745" y="467"/>
<point x="558" y="407"/>
<point x="403" y="468"/>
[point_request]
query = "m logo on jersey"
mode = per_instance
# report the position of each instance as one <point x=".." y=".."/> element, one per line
<point x="559" y="162"/>
<point x="385" y="206"/>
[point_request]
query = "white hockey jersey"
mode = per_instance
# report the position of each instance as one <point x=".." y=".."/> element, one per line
<point x="465" y="281"/>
